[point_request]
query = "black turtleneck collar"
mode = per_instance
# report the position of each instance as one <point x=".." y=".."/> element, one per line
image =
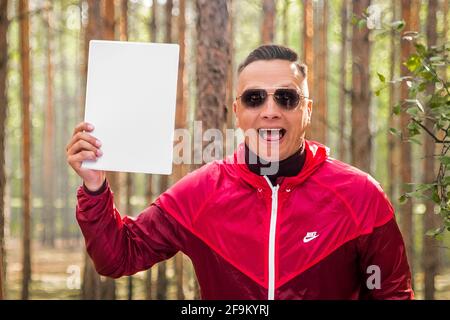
<point x="288" y="167"/>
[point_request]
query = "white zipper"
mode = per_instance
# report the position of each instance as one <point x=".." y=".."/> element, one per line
<point x="272" y="231"/>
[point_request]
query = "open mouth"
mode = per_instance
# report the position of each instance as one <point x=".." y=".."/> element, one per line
<point x="271" y="134"/>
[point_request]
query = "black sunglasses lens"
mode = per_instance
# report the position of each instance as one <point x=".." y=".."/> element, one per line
<point x="254" y="98"/>
<point x="287" y="98"/>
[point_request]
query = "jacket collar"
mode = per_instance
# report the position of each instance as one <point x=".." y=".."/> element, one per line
<point x="316" y="154"/>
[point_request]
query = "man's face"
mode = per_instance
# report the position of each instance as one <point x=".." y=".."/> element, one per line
<point x="264" y="120"/>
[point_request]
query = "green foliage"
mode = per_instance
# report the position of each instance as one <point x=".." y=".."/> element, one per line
<point x="428" y="99"/>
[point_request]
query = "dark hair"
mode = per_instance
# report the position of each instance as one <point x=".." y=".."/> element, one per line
<point x="273" y="52"/>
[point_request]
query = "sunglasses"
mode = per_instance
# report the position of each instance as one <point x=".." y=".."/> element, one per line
<point x="286" y="98"/>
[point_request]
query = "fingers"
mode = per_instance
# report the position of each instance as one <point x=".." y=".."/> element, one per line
<point x="83" y="126"/>
<point x="82" y="136"/>
<point x="81" y="156"/>
<point x="81" y="145"/>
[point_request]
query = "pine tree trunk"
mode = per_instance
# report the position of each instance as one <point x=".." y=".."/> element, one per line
<point x="3" y="107"/>
<point x="268" y="21"/>
<point x="286" y="22"/>
<point x="230" y="75"/>
<point x="361" y="140"/>
<point x="213" y="49"/>
<point x="410" y="14"/>
<point x="153" y="22"/>
<point x="180" y="122"/>
<point x="65" y="99"/>
<point x="319" y="118"/>
<point x="149" y="192"/>
<point x="213" y="54"/>
<point x="343" y="81"/>
<point x="148" y="274"/>
<point x="168" y="29"/>
<point x="308" y="44"/>
<point x="91" y="288"/>
<point x="108" y="15"/>
<point x="393" y="147"/>
<point x="49" y="140"/>
<point x="430" y="244"/>
<point x="161" y="283"/>
<point x="24" y="28"/>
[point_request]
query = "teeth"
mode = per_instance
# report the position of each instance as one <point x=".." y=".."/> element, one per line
<point x="270" y="134"/>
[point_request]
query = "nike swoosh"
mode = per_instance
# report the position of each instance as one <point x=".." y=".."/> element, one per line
<point x="305" y="239"/>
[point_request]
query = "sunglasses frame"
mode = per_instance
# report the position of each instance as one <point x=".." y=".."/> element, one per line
<point x="301" y="96"/>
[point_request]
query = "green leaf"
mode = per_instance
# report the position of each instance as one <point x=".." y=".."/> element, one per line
<point x="435" y="197"/>
<point x="421" y="49"/>
<point x="403" y="198"/>
<point x="378" y="92"/>
<point x="396" y="109"/>
<point x="446" y="180"/>
<point x="414" y="140"/>
<point x="394" y="131"/>
<point x="361" y="23"/>
<point x="381" y="77"/>
<point x="444" y="160"/>
<point x="398" y="25"/>
<point x="413" y="62"/>
<point x="415" y="102"/>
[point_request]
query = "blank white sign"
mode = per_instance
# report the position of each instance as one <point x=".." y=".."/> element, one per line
<point x="130" y="100"/>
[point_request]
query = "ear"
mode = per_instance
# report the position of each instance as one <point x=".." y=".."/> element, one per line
<point x="309" y="107"/>
<point x="235" y="113"/>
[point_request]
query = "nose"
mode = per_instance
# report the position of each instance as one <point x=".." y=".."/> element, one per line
<point x="270" y="109"/>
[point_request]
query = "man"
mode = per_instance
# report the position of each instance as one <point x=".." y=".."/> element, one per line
<point x="315" y="228"/>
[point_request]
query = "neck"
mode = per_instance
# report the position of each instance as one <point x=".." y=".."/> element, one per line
<point x="288" y="167"/>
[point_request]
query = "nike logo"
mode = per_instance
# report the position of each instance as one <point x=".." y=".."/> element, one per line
<point x="310" y="236"/>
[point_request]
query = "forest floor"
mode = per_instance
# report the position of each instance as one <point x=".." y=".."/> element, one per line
<point x="56" y="274"/>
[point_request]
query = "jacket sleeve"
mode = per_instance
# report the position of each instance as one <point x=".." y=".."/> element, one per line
<point x="384" y="265"/>
<point x="119" y="245"/>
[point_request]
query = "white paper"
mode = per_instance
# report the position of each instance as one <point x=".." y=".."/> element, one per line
<point x="130" y="100"/>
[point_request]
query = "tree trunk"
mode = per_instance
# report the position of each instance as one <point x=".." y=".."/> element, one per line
<point x="153" y="22"/>
<point x="49" y="140"/>
<point x="180" y="122"/>
<point x="161" y="285"/>
<point x="66" y="99"/>
<point x="286" y="22"/>
<point x="393" y="147"/>
<point x="168" y="29"/>
<point x="230" y="75"/>
<point x="3" y="107"/>
<point x="430" y="244"/>
<point x="319" y="118"/>
<point x="129" y="210"/>
<point x="213" y="49"/>
<point x="148" y="192"/>
<point x="148" y="274"/>
<point x="410" y="14"/>
<point x="361" y="140"/>
<point x="308" y="44"/>
<point x="213" y="52"/>
<point x="343" y="81"/>
<point x="109" y="23"/>
<point x="124" y="20"/>
<point x="108" y="14"/>
<point x="123" y="34"/>
<point x="91" y="288"/>
<point x="268" y="21"/>
<point x="24" y="29"/>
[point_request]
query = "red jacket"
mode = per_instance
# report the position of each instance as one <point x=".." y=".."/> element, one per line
<point x="322" y="234"/>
